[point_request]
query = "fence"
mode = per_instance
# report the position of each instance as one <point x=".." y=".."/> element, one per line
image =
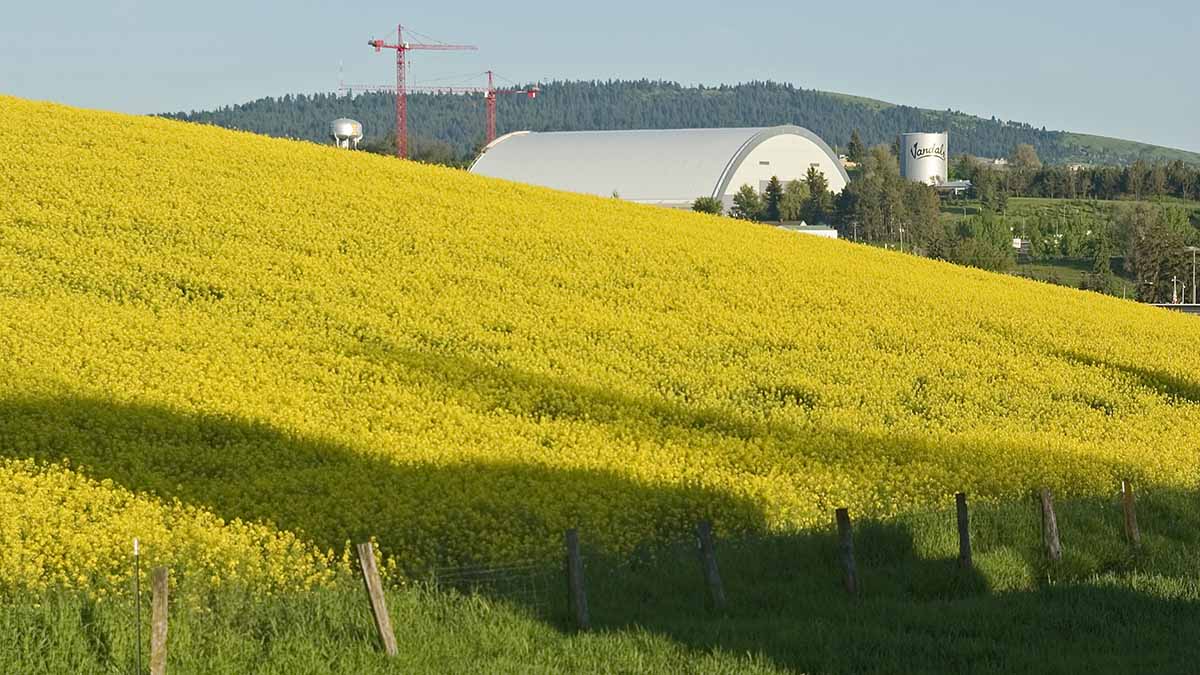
<point x="532" y="583"/>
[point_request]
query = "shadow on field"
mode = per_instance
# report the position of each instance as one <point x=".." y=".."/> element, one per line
<point x="917" y="611"/>
<point x="1165" y="384"/>
<point x="454" y="513"/>
<point x="1103" y="608"/>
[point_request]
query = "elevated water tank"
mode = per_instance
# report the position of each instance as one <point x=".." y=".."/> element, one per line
<point x="346" y="133"/>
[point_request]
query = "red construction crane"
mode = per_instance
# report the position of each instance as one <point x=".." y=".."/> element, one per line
<point x="490" y="94"/>
<point x="403" y="48"/>
<point x="490" y="97"/>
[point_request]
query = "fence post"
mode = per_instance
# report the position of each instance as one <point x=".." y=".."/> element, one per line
<point x="370" y="573"/>
<point x="846" y="548"/>
<point x="964" y="533"/>
<point x="708" y="560"/>
<point x="158" y="621"/>
<point x="577" y="604"/>
<point x="1050" y="526"/>
<point x="1131" y="527"/>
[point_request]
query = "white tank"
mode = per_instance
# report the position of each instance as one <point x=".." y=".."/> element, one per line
<point x="923" y="157"/>
<point x="346" y="133"/>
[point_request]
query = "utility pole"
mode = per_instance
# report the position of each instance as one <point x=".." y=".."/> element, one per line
<point x="1193" y="249"/>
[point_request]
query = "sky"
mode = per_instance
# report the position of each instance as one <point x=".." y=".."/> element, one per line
<point x="1097" y="66"/>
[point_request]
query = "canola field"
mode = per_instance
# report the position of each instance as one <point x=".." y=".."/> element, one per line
<point x="249" y="352"/>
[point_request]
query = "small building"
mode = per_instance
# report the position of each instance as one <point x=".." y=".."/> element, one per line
<point x="814" y="230"/>
<point x="954" y="188"/>
<point x="669" y="167"/>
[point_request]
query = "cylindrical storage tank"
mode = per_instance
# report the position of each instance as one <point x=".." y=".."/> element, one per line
<point x="923" y="157"/>
<point x="346" y="132"/>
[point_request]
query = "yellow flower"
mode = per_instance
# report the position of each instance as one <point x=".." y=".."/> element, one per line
<point x="252" y="353"/>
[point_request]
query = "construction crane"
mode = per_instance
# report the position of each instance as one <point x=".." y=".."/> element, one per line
<point x="402" y="48"/>
<point x="490" y="94"/>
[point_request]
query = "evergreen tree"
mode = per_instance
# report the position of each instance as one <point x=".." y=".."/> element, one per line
<point x="856" y="152"/>
<point x="772" y="197"/>
<point x="819" y="206"/>
<point x="991" y="189"/>
<point x="1156" y="248"/>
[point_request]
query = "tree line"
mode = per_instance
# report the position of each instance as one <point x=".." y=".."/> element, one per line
<point x="877" y="207"/>
<point x="807" y="200"/>
<point x="1146" y="242"/>
<point x="449" y="128"/>
<point x="1026" y="176"/>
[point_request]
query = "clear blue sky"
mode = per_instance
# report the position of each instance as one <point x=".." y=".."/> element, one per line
<point x="1097" y="66"/>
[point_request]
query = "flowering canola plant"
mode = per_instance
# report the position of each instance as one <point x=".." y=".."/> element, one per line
<point x="250" y="351"/>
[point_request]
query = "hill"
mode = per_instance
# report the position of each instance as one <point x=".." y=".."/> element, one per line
<point x="248" y="352"/>
<point x="269" y="348"/>
<point x="569" y="106"/>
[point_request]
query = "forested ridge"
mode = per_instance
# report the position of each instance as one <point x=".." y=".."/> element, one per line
<point x="458" y="121"/>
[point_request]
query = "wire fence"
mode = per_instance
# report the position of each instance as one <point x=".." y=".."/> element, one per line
<point x="526" y="582"/>
<point x="924" y="550"/>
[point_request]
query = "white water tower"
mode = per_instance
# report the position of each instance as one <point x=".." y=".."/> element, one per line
<point x="923" y="157"/>
<point x="346" y="133"/>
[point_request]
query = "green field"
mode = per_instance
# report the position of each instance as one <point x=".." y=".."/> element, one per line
<point x="1087" y="145"/>
<point x="1074" y="220"/>
<point x="1105" y="608"/>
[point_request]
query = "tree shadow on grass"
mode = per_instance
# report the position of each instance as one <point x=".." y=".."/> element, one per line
<point x="1104" y="608"/>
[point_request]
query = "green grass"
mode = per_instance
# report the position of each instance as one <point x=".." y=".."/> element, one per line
<point x="1105" y="608"/>
<point x="1071" y="272"/>
<point x="1087" y="144"/>
<point x="872" y="104"/>
<point x="1055" y="215"/>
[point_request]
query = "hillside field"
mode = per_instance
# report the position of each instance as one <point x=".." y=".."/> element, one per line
<point x="278" y="348"/>
<point x="251" y="352"/>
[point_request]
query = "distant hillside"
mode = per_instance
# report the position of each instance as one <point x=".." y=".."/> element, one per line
<point x="570" y="106"/>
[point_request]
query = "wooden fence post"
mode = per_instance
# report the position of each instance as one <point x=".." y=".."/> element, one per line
<point x="158" y="621"/>
<point x="1050" y="527"/>
<point x="708" y="560"/>
<point x="964" y="533"/>
<point x="846" y="548"/>
<point x="1131" y="527"/>
<point x="577" y="603"/>
<point x="383" y="622"/>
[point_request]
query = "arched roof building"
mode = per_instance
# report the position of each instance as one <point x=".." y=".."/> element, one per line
<point x="669" y="167"/>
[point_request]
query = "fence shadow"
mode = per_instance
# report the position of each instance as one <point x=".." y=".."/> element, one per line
<point x="917" y="610"/>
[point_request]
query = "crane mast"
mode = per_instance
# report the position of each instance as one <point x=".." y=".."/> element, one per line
<point x="402" y="48"/>
<point x="490" y="95"/>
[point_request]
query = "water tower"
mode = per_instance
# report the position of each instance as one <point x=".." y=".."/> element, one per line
<point x="346" y="133"/>
<point x="923" y="157"/>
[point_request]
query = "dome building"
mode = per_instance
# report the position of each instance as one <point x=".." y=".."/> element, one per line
<point x="670" y="167"/>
